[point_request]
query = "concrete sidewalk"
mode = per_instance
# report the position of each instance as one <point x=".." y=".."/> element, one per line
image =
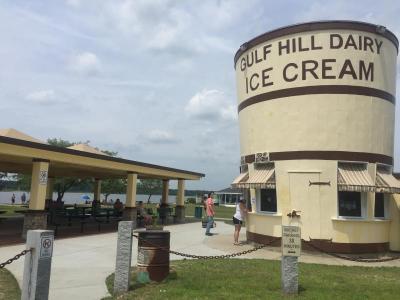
<point x="81" y="265"/>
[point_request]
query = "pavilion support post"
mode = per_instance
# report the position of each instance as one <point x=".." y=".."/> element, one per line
<point x="97" y="189"/>
<point x="130" y="212"/>
<point x="165" y="191"/>
<point x="180" y="202"/>
<point x="36" y="215"/>
<point x="49" y="191"/>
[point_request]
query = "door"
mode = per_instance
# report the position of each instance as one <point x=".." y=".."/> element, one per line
<point x="305" y="198"/>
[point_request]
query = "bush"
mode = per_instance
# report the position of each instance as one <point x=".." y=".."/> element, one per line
<point x="191" y="200"/>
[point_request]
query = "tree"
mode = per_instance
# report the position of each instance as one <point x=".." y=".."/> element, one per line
<point x="150" y="187"/>
<point x="61" y="185"/>
<point x="111" y="186"/>
<point x="3" y="177"/>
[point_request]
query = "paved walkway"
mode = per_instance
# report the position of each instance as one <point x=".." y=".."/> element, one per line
<point x="81" y="264"/>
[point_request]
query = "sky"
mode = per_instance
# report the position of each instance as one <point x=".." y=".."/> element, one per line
<point x="151" y="80"/>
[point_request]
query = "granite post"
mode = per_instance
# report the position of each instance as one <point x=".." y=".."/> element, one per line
<point x="124" y="256"/>
<point x="290" y="274"/>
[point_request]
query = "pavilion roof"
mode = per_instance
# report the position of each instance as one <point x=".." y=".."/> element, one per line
<point x="86" y="148"/>
<point x="15" y="134"/>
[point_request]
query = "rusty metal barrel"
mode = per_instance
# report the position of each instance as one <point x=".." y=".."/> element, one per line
<point x="153" y="255"/>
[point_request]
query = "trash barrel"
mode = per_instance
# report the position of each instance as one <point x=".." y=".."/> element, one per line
<point x="151" y="258"/>
<point x="198" y="212"/>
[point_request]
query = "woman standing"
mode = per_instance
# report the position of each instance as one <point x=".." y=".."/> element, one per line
<point x="238" y="218"/>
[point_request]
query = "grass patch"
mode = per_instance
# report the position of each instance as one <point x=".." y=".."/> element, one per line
<point x="10" y="209"/>
<point x="260" y="279"/>
<point x="9" y="289"/>
<point x="220" y="211"/>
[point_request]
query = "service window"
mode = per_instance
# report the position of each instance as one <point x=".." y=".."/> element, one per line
<point x="268" y="200"/>
<point x="380" y="206"/>
<point x="350" y="204"/>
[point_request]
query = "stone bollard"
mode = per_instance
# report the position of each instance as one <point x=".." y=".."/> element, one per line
<point x="291" y="249"/>
<point x="122" y="276"/>
<point x="37" y="267"/>
<point x="290" y="274"/>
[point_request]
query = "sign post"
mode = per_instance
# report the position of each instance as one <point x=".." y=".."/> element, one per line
<point x="291" y="249"/>
<point x="36" y="279"/>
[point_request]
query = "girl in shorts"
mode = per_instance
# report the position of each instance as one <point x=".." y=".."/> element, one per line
<point x="238" y="219"/>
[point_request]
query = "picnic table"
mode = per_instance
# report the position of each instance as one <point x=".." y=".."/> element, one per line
<point x="103" y="215"/>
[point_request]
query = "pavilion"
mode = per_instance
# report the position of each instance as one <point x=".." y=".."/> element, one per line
<point x="21" y="153"/>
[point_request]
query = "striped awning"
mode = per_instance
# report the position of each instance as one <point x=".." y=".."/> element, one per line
<point x="386" y="182"/>
<point x="354" y="178"/>
<point x="243" y="177"/>
<point x="262" y="177"/>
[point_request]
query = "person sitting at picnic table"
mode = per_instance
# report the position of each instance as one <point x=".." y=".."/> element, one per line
<point x="118" y="207"/>
<point x="95" y="206"/>
<point x="142" y="213"/>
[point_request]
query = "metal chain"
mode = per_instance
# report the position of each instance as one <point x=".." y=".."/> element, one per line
<point x="9" y="261"/>
<point x="355" y="259"/>
<point x="207" y="256"/>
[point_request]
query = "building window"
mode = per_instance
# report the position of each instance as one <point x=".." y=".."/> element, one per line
<point x="379" y="205"/>
<point x="268" y="200"/>
<point x="350" y="204"/>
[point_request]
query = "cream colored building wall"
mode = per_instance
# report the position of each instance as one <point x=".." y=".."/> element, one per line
<point x="344" y="122"/>
<point x="264" y="224"/>
<point x="384" y="63"/>
<point x="318" y="122"/>
<point x="319" y="207"/>
<point x="394" y="233"/>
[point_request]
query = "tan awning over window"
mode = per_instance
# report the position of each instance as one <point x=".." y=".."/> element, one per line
<point x="354" y="178"/>
<point x="262" y="177"/>
<point x="386" y="182"/>
<point x="243" y="177"/>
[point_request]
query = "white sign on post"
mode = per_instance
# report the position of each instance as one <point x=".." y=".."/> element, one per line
<point x="46" y="246"/>
<point x="43" y="177"/>
<point x="291" y="241"/>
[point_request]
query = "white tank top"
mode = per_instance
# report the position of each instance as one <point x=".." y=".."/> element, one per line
<point x="238" y="213"/>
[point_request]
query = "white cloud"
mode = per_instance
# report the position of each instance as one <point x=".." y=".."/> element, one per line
<point x="73" y="3"/>
<point x="42" y="97"/>
<point x="157" y="136"/>
<point x="86" y="63"/>
<point x="211" y="105"/>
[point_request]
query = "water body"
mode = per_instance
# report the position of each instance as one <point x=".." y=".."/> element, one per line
<point x="72" y="198"/>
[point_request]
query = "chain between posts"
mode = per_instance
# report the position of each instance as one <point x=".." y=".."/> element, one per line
<point x="9" y="261"/>
<point x="355" y="259"/>
<point x="207" y="256"/>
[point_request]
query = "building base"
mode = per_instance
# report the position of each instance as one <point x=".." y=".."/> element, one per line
<point x="34" y="219"/>
<point x="130" y="214"/>
<point x="324" y="245"/>
<point x="179" y="214"/>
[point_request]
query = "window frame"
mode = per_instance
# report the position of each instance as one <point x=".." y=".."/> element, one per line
<point x="258" y="203"/>
<point x="363" y="203"/>
<point x="385" y="207"/>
